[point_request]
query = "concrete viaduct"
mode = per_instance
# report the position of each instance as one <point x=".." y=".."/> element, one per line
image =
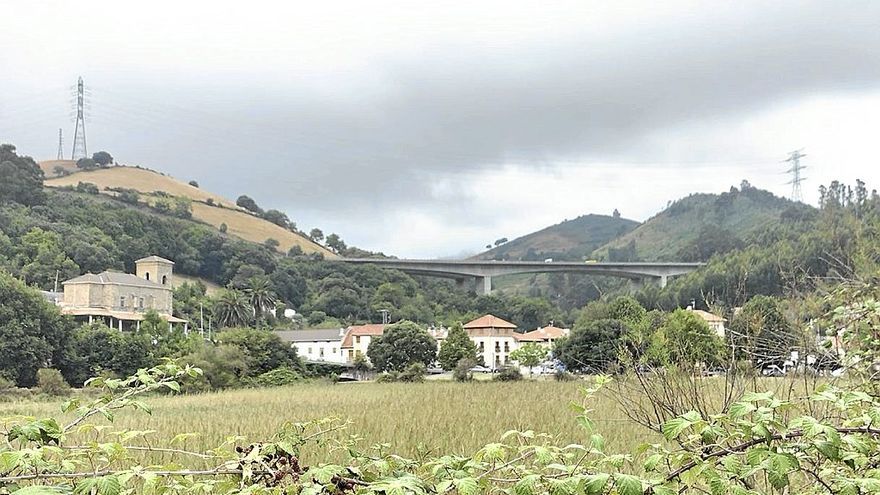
<point x="483" y="271"/>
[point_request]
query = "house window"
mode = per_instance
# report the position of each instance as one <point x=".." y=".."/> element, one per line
<point x="507" y="347"/>
<point x="164" y="279"/>
<point x="140" y="303"/>
<point x="121" y="301"/>
<point x="321" y="352"/>
<point x="497" y="347"/>
<point x="357" y="339"/>
<point x="334" y="350"/>
<point x="482" y="346"/>
<point x="147" y="275"/>
<point x="309" y="352"/>
<point x="350" y="354"/>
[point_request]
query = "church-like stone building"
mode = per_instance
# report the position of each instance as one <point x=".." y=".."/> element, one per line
<point x="121" y="300"/>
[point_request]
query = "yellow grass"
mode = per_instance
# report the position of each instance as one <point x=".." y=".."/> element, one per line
<point x="254" y="229"/>
<point x="447" y="417"/>
<point x="239" y="223"/>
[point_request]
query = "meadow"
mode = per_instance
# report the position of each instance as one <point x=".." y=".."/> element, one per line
<point x="446" y="416"/>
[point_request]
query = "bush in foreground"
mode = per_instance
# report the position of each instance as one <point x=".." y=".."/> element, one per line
<point x="508" y="374"/>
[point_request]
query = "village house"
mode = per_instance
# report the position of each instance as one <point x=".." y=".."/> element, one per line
<point x="545" y="336"/>
<point x="715" y="322"/>
<point x="358" y="337"/>
<point x="495" y="339"/>
<point x="317" y="344"/>
<point x="121" y="300"/>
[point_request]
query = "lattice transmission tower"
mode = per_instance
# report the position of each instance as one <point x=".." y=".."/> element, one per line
<point x="80" y="150"/>
<point x="794" y="158"/>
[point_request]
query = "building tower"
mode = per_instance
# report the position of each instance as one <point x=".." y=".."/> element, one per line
<point x="795" y="170"/>
<point x="60" y="145"/>
<point x="155" y="269"/>
<point x="80" y="150"/>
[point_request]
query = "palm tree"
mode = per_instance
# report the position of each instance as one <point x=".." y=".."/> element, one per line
<point x="232" y="308"/>
<point x="260" y="294"/>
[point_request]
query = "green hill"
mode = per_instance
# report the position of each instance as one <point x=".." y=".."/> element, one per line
<point x="569" y="240"/>
<point x="700" y="225"/>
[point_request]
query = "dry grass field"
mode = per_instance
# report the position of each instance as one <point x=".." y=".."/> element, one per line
<point x="239" y="223"/>
<point x="447" y="417"/>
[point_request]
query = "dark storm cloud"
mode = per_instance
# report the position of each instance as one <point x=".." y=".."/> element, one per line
<point x="464" y="108"/>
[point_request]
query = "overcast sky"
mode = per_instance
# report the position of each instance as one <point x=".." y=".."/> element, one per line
<point x="427" y="129"/>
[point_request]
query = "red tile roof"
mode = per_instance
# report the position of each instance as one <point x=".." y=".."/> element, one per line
<point x="372" y="329"/>
<point x="489" y="321"/>
<point x="547" y="333"/>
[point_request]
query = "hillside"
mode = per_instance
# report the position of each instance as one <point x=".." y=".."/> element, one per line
<point x="568" y="240"/>
<point x="727" y="219"/>
<point x="239" y="222"/>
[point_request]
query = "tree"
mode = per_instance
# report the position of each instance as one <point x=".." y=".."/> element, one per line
<point x="86" y="164"/>
<point x="182" y="207"/>
<point x="456" y="347"/>
<point x="249" y="204"/>
<point x="59" y="171"/>
<point x="316" y="235"/>
<point x="33" y="334"/>
<point x="501" y="241"/>
<point x="335" y="243"/>
<point x="21" y="179"/>
<point x="231" y="308"/>
<point x="223" y="228"/>
<point x="264" y="351"/>
<point x="279" y="218"/>
<point x="592" y="346"/>
<point x="530" y="355"/>
<point x="615" y="214"/>
<point x="102" y="158"/>
<point x="402" y="344"/>
<point x="761" y="333"/>
<point x="684" y="340"/>
<point x="97" y="349"/>
<point x="260" y="295"/>
<point x="195" y="184"/>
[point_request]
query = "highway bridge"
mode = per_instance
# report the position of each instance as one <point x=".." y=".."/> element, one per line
<point x="483" y="271"/>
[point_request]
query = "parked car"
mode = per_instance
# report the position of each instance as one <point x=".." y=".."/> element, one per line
<point x="480" y="369"/>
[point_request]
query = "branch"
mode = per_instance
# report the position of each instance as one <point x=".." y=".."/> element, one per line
<point x="751" y="443"/>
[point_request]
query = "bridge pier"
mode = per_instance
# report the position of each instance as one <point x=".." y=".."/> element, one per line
<point x="484" y="285"/>
<point x="663" y="281"/>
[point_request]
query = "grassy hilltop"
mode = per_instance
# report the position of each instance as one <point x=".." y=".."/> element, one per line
<point x="239" y="221"/>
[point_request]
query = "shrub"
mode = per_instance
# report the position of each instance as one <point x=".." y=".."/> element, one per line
<point x="209" y="201"/>
<point x="413" y="373"/>
<point x="462" y="371"/>
<point x="51" y="382"/>
<point x="223" y="228"/>
<point x="87" y="187"/>
<point x="194" y="183"/>
<point x="389" y="377"/>
<point x="277" y="378"/>
<point x="564" y="376"/>
<point x="508" y="374"/>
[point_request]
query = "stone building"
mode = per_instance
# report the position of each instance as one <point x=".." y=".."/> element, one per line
<point x="121" y="300"/>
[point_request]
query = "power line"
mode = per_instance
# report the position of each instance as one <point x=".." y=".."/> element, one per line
<point x="795" y="170"/>
<point x="80" y="150"/>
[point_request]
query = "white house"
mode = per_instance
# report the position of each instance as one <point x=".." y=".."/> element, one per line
<point x="317" y="344"/>
<point x="357" y="339"/>
<point x="544" y="336"/>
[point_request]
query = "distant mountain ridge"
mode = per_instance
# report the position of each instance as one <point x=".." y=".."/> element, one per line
<point x="572" y="240"/>
<point x="694" y="227"/>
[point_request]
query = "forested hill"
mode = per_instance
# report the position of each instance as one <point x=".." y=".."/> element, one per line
<point x="569" y="240"/>
<point x="700" y="225"/>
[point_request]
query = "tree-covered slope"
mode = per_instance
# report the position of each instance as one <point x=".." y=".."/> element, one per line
<point x="700" y="225"/>
<point x="568" y="240"/>
<point x="207" y="207"/>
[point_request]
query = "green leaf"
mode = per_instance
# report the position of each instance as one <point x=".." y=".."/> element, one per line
<point x="740" y="409"/>
<point x="466" y="486"/>
<point x="628" y="485"/>
<point x="674" y="427"/>
<point x="595" y="483"/>
<point x="830" y="450"/>
<point x="526" y="486"/>
<point x="652" y="461"/>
